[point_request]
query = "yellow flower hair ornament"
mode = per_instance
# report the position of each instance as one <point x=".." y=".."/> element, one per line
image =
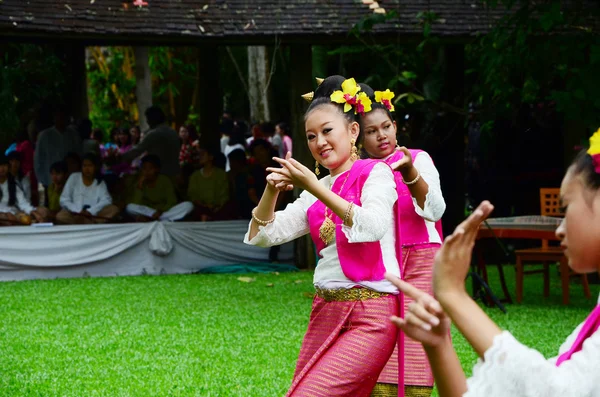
<point x="594" y="150"/>
<point x="385" y="98"/>
<point x="352" y="98"/>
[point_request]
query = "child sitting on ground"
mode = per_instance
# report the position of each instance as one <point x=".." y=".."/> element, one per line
<point x="15" y="209"/>
<point x="152" y="197"/>
<point x="85" y="198"/>
<point x="58" y="174"/>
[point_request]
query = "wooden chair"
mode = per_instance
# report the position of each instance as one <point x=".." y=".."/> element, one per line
<point x="546" y="254"/>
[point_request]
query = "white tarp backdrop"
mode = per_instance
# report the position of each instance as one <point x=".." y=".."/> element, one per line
<point x="126" y="249"/>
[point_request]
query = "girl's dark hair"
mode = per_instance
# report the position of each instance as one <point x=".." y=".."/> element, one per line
<point x="192" y="132"/>
<point x="97" y="164"/>
<point x="14" y="155"/>
<point x="152" y="159"/>
<point x="238" y="155"/>
<point x="322" y="96"/>
<point x="139" y="131"/>
<point x="583" y="165"/>
<point x="12" y="184"/>
<point x="237" y="135"/>
<point x="124" y="131"/>
<point x="285" y="128"/>
<point x="260" y="142"/>
<point x="59" y="167"/>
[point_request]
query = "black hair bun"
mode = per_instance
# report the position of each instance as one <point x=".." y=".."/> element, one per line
<point x="367" y="90"/>
<point x="328" y="86"/>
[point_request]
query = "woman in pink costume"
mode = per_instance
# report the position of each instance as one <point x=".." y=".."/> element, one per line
<point x="350" y="217"/>
<point x="421" y="204"/>
<point x="507" y="367"/>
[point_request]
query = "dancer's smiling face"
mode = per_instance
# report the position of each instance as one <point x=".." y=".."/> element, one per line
<point x="329" y="133"/>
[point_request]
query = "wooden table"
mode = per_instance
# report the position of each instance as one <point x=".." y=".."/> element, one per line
<point x="530" y="227"/>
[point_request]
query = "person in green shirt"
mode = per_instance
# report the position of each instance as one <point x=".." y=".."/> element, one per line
<point x="58" y="175"/>
<point x="152" y="197"/>
<point x="208" y="188"/>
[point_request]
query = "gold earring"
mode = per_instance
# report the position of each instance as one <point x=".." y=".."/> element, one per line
<point x="354" y="150"/>
<point x="317" y="170"/>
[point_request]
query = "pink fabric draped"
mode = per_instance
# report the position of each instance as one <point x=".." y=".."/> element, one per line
<point x="591" y="325"/>
<point x="415" y="255"/>
<point x="345" y="348"/>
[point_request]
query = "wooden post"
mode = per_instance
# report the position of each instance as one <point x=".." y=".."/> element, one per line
<point x="75" y="97"/>
<point x="143" y="86"/>
<point x="301" y="82"/>
<point x="208" y="100"/>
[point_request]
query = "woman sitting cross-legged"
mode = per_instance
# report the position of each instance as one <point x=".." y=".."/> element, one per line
<point x="85" y="198"/>
<point x="152" y="196"/>
<point x="15" y="209"/>
<point x="209" y="188"/>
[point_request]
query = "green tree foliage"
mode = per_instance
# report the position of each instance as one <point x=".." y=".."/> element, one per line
<point x="542" y="51"/>
<point x="29" y="75"/>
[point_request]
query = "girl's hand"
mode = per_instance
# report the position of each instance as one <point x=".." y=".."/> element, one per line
<point x="405" y="163"/>
<point x="425" y="321"/>
<point x="279" y="182"/>
<point x="453" y="260"/>
<point x="297" y="174"/>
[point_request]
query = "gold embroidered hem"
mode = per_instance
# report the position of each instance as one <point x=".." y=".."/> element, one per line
<point x="348" y="295"/>
<point x="391" y="390"/>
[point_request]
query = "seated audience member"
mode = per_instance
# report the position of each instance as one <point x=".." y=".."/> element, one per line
<point x="124" y="145"/>
<point x="188" y="154"/>
<point x="153" y="195"/>
<point x="236" y="141"/>
<point x="283" y="130"/>
<point x="208" y="188"/>
<point x="73" y="162"/>
<point x="23" y="181"/>
<point x="240" y="184"/>
<point x="14" y="207"/>
<point x="58" y="175"/>
<point x="85" y="198"/>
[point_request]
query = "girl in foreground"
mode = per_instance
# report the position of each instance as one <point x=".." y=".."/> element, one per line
<point x="350" y="216"/>
<point x="422" y="205"/>
<point x="508" y="368"/>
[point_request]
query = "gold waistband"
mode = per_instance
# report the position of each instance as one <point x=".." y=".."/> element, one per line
<point x="347" y="295"/>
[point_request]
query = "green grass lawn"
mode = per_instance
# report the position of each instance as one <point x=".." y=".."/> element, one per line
<point x="195" y="335"/>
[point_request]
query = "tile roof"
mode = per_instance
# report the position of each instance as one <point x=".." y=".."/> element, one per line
<point x="196" y="20"/>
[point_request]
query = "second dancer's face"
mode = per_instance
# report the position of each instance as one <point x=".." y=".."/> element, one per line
<point x="379" y="134"/>
<point x="329" y="136"/>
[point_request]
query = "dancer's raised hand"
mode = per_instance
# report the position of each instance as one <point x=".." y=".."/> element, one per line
<point x="453" y="260"/>
<point x="425" y="320"/>
<point x="299" y="175"/>
<point x="405" y="163"/>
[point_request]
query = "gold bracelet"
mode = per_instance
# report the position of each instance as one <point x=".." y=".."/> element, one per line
<point x="347" y="213"/>
<point x="260" y="221"/>
<point x="414" y="180"/>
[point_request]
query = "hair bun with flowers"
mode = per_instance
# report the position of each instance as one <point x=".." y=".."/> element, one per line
<point x="385" y="98"/>
<point x="594" y="150"/>
<point x="352" y="98"/>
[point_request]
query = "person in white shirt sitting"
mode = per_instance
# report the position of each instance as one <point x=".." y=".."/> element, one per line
<point x="15" y="209"/>
<point x="85" y="198"/>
